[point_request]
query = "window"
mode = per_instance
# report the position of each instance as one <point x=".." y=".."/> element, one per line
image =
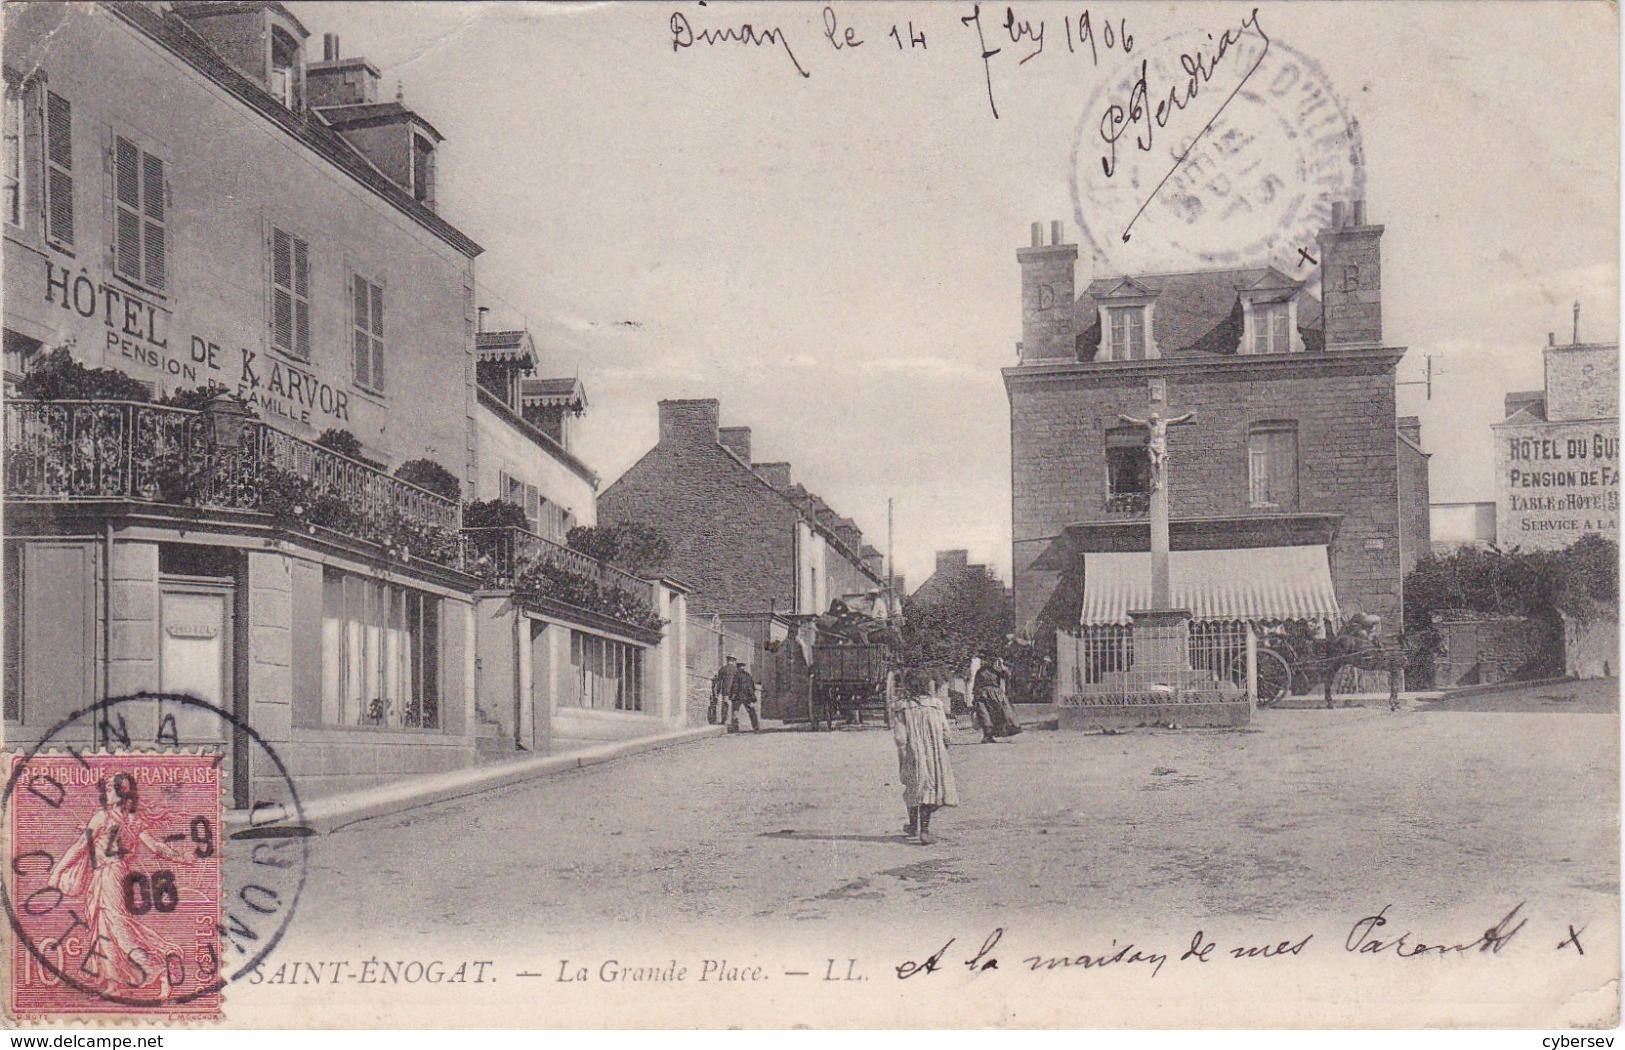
<point x="58" y="169"/>
<point x="1272" y="466"/>
<point x="380" y="654"/>
<point x="609" y="674"/>
<point x="290" y="293"/>
<point x="1271" y="328"/>
<point x="422" y="170"/>
<point x="1126" y="338"/>
<point x="367" y="316"/>
<point x="527" y="498"/>
<point x="1128" y="470"/>
<point x="15" y="108"/>
<point x="284" y="79"/>
<point x="140" y="234"/>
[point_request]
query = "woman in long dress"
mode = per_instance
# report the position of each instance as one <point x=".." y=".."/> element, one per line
<point x="920" y="729"/>
<point x="992" y="702"/>
<point x="131" y="954"/>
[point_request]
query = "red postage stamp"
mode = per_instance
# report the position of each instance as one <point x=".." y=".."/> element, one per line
<point x="113" y="885"/>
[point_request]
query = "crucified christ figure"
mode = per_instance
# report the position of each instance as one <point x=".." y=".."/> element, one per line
<point x="1157" y="443"/>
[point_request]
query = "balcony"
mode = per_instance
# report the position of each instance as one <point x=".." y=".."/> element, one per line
<point x="543" y="571"/>
<point x="1128" y="505"/>
<point x="84" y="451"/>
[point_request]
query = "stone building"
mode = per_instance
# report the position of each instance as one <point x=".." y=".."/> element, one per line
<point x="243" y="229"/>
<point x="1557" y="451"/>
<point x="1295" y="491"/>
<point x="755" y="547"/>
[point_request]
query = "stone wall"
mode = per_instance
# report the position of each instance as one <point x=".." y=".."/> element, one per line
<point x="1342" y="404"/>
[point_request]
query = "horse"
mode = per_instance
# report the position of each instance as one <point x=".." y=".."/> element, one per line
<point x="1355" y="645"/>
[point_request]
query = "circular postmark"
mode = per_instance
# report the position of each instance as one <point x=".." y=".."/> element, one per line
<point x="125" y="888"/>
<point x="1214" y="149"/>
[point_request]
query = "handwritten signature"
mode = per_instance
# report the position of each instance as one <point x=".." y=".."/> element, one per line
<point x="1140" y="116"/>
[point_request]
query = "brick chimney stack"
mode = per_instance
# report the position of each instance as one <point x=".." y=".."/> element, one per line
<point x="689" y="422"/>
<point x="735" y="440"/>
<point x="1048" y="297"/>
<point x="1351" y="279"/>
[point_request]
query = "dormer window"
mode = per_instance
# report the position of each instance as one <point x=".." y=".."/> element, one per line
<point x="1271" y="329"/>
<point x="423" y="170"/>
<point x="284" y="81"/>
<point x="1125" y="333"/>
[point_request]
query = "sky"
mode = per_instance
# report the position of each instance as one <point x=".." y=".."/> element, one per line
<point x="833" y="255"/>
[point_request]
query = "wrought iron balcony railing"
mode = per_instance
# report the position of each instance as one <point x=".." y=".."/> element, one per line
<point x="1128" y="504"/>
<point x="514" y="557"/>
<point x="123" y="450"/>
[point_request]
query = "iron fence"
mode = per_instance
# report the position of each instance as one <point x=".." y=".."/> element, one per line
<point x="1149" y="663"/>
<point x="500" y="557"/>
<point x="125" y="450"/>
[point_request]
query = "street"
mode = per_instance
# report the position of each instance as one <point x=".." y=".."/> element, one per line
<point x="1305" y="822"/>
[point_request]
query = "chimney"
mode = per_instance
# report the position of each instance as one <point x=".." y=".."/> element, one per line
<point x="1048" y="298"/>
<point x="952" y="561"/>
<point x="775" y="474"/>
<point x="479" y="321"/>
<point x="735" y="440"/>
<point x="1351" y="281"/>
<point x="689" y="422"/>
<point x="336" y="81"/>
<point x="1410" y="428"/>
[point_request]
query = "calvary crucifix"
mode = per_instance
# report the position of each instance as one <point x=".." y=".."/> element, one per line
<point x="1157" y="449"/>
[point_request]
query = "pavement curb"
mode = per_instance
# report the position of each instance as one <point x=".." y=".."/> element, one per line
<point x="1504" y="687"/>
<point x="327" y="815"/>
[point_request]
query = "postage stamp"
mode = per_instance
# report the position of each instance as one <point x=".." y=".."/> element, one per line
<point x="115" y="884"/>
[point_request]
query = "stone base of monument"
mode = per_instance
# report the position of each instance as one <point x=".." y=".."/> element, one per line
<point x="1211" y="710"/>
<point x="1159" y="687"/>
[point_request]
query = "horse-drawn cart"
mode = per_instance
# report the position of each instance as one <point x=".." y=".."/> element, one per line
<point x="848" y="682"/>
<point x="1289" y="661"/>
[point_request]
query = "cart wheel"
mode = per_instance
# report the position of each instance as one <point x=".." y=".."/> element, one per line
<point x="1274" y="676"/>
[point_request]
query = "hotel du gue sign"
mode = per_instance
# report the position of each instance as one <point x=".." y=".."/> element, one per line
<point x="1558" y="482"/>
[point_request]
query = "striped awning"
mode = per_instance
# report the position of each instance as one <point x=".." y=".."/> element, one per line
<point x="1255" y="583"/>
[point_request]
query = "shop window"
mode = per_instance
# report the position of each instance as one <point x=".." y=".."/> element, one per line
<point x="12" y="576"/>
<point x="1272" y="466"/>
<point x="58" y="169"/>
<point x="140" y="236"/>
<point x="290" y="293"/>
<point x="1272" y="330"/>
<point x="608" y="674"/>
<point x="1125" y="333"/>
<point x="1128" y="470"/>
<point x="380" y="654"/>
<point x="367" y="321"/>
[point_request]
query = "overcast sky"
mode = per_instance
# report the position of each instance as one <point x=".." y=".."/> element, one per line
<point x="833" y="255"/>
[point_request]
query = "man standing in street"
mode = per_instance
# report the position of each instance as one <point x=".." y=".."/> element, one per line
<point x="722" y="685"/>
<point x="743" y="694"/>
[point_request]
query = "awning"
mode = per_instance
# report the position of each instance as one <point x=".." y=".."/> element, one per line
<point x="1254" y="583"/>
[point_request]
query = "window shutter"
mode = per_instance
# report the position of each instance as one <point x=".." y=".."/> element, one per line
<point x="363" y="344"/>
<point x="377" y="337"/>
<point x="281" y="284"/>
<point x="58" y="168"/>
<point x="533" y="508"/>
<point x="154" y="219"/>
<point x="301" y="297"/>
